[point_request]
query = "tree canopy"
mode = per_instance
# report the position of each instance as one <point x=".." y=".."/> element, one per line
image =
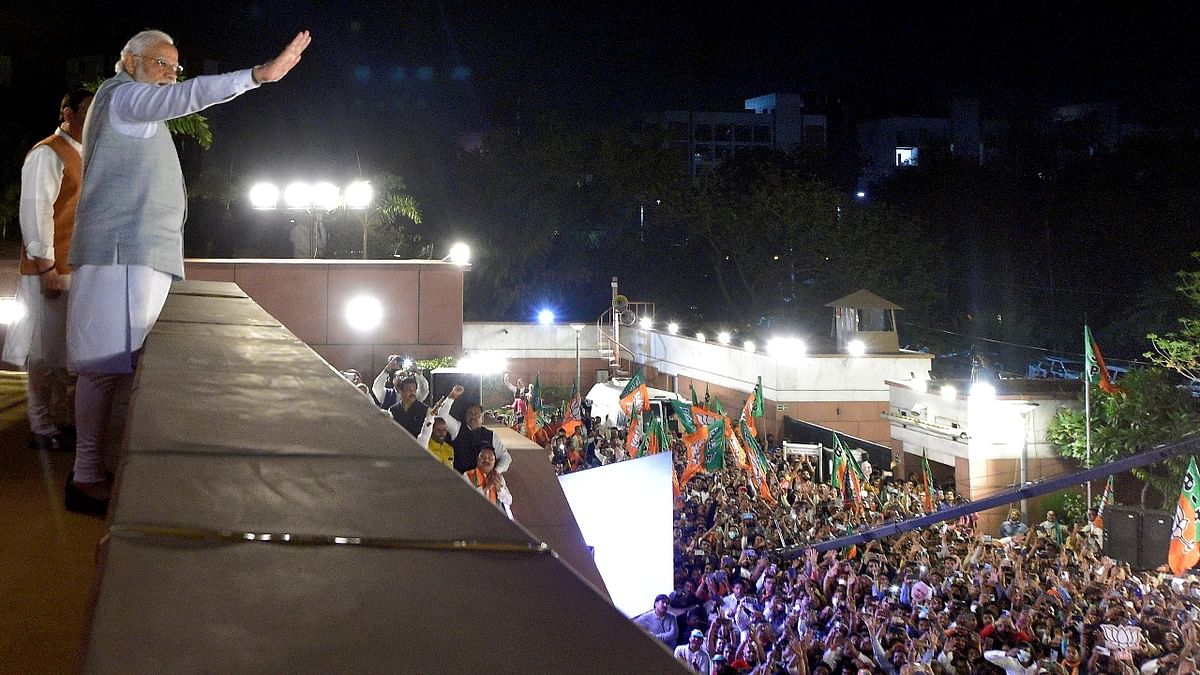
<point x="1148" y="410"/>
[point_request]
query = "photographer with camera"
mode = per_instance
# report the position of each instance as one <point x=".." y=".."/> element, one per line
<point x="397" y="369"/>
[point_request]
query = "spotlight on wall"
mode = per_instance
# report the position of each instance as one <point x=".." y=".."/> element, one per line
<point x="364" y="313"/>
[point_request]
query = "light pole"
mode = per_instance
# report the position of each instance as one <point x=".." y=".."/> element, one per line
<point x="1025" y="408"/>
<point x="578" y="382"/>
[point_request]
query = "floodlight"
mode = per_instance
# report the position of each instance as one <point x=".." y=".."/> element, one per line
<point x="325" y="196"/>
<point x="856" y="348"/>
<point x="983" y="390"/>
<point x="724" y="337"/>
<point x="359" y="195"/>
<point x="672" y="328"/>
<point x="460" y="254"/>
<point x="545" y="317"/>
<point x="949" y="392"/>
<point x="297" y="195"/>
<point x="646" y="323"/>
<point x="264" y="196"/>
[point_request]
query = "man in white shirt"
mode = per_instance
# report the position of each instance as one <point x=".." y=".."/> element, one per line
<point x="127" y="246"/>
<point x="50" y="181"/>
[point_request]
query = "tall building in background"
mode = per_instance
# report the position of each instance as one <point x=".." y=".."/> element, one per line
<point x="770" y="122"/>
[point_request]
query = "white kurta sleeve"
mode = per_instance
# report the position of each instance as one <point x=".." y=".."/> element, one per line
<point x="41" y="179"/>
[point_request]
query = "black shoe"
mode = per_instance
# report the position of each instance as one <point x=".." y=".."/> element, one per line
<point x="77" y="501"/>
<point x="47" y="442"/>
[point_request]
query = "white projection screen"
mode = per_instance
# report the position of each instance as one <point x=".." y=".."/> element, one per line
<point x="624" y="513"/>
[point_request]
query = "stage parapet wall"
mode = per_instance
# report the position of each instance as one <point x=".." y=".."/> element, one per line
<point x="269" y="518"/>
<point x="421" y="302"/>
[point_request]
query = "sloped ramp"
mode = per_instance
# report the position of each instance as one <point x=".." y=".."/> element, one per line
<point x="271" y="519"/>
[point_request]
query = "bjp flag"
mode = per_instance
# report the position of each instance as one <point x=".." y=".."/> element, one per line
<point x="1184" y="552"/>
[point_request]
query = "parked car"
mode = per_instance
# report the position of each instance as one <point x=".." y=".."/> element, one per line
<point x="1056" y="368"/>
<point x="1063" y="368"/>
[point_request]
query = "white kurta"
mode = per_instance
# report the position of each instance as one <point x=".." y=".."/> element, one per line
<point x="112" y="309"/>
<point x="39" y="337"/>
<point x="114" y="306"/>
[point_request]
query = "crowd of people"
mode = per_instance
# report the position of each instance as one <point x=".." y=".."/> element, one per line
<point x="464" y="445"/>
<point x="751" y="596"/>
<point x="949" y="599"/>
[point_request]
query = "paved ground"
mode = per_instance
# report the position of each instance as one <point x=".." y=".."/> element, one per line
<point x="47" y="555"/>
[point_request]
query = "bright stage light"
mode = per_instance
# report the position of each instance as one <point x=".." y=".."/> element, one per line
<point x="11" y="311"/>
<point x="700" y="337"/>
<point x="264" y="196"/>
<point x="949" y="392"/>
<point x="646" y="323"/>
<point x="672" y="328"/>
<point x="983" y="391"/>
<point x="406" y="363"/>
<point x="460" y="254"/>
<point x="786" y="348"/>
<point x="748" y="345"/>
<point x="359" y="195"/>
<point x="856" y="348"/>
<point x="724" y="337"/>
<point x="364" y="313"/>
<point x="297" y="195"/>
<point x="325" y="196"/>
<point x="545" y="317"/>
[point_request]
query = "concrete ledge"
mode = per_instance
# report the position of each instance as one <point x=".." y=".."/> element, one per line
<point x="269" y="519"/>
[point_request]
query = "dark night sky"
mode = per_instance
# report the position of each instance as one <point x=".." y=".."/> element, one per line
<point x="361" y="86"/>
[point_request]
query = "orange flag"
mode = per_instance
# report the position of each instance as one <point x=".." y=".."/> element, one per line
<point x="1184" y="552"/>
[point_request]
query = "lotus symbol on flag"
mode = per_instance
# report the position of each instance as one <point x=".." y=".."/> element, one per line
<point x="1184" y="529"/>
<point x="1121" y="637"/>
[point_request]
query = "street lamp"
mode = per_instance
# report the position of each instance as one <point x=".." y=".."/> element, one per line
<point x="578" y="382"/>
<point x="1025" y="407"/>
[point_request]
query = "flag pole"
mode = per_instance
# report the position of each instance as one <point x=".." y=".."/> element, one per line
<point x="1087" y="409"/>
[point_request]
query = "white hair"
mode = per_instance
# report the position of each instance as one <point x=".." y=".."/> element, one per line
<point x="140" y="43"/>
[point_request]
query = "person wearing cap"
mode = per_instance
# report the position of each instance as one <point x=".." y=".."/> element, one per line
<point x="659" y="622"/>
<point x="694" y="654"/>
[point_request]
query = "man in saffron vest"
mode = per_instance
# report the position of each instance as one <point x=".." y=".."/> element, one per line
<point x="128" y="241"/>
<point x="50" y="181"/>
